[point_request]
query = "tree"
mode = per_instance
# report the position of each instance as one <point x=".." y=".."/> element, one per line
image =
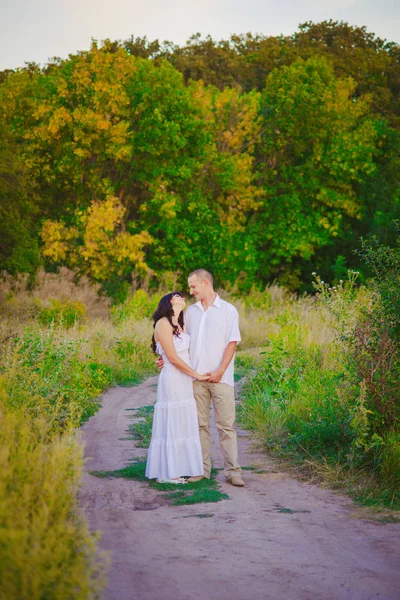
<point x="96" y="245"/>
<point x="318" y="144"/>
<point x="19" y="251"/>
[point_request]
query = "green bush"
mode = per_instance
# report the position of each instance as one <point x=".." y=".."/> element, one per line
<point x="384" y="261"/>
<point x="369" y="335"/>
<point x="390" y="465"/>
<point x="375" y="348"/>
<point x="58" y="381"/>
<point x="133" y="359"/>
<point x="139" y="306"/>
<point x="46" y="547"/>
<point x="300" y="387"/>
<point x="311" y="397"/>
<point x="63" y="312"/>
<point x="50" y="383"/>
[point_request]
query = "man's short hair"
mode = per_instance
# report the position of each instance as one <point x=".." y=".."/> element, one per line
<point x="203" y="274"/>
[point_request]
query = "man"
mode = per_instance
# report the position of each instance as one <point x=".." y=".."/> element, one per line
<point x="213" y="325"/>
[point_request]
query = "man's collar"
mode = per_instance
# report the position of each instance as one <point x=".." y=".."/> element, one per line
<point x="216" y="303"/>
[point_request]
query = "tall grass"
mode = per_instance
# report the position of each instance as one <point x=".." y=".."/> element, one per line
<point x="25" y="297"/>
<point x="59" y="354"/>
<point x="305" y="399"/>
<point x="46" y="548"/>
<point x="262" y="315"/>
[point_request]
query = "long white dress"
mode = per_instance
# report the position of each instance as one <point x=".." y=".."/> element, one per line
<point x="175" y="448"/>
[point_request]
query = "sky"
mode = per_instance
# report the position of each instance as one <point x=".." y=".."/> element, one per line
<point x="37" y="30"/>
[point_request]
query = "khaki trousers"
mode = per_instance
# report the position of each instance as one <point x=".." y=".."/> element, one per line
<point x="222" y="397"/>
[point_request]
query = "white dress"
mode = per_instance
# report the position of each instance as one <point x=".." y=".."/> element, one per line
<point x="175" y="448"/>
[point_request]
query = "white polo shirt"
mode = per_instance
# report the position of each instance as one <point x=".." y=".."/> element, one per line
<point x="210" y="332"/>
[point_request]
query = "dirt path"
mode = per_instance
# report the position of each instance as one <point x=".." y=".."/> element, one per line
<point x="245" y="548"/>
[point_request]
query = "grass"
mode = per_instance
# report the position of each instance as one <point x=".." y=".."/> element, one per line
<point x="199" y="516"/>
<point x="47" y="549"/>
<point x="301" y="400"/>
<point x="141" y="431"/>
<point x="254" y="469"/>
<point x="205" y="490"/>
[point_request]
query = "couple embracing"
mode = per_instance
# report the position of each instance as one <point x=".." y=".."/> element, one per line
<point x="197" y="350"/>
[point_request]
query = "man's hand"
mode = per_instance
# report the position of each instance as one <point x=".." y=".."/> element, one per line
<point x="216" y="376"/>
<point x="160" y="363"/>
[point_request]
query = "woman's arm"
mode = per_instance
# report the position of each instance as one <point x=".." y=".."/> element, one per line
<point x="164" y="335"/>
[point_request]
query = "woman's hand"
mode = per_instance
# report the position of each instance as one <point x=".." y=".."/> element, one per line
<point x="216" y="376"/>
<point x="160" y="363"/>
<point x="204" y="377"/>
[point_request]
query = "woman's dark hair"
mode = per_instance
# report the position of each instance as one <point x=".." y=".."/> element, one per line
<point x="164" y="309"/>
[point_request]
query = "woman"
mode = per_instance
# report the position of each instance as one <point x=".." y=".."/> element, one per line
<point x="175" y="443"/>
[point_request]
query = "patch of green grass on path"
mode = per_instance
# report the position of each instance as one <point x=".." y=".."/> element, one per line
<point x="140" y="431"/>
<point x="203" y="495"/>
<point x="255" y="469"/>
<point x="205" y="490"/>
<point x="131" y="380"/>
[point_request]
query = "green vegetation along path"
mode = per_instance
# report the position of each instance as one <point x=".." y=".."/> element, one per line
<point x="276" y="538"/>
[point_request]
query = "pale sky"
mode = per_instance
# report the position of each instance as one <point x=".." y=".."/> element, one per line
<point x="36" y="30"/>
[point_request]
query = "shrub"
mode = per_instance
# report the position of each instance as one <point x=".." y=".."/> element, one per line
<point x="311" y="397"/>
<point x="296" y="391"/>
<point x="390" y="465"/>
<point x="58" y="382"/>
<point x="375" y="349"/>
<point x="133" y="359"/>
<point x="51" y="381"/>
<point x="20" y="295"/>
<point x="46" y="548"/>
<point x="385" y="264"/>
<point x="63" y="312"/>
<point x="139" y="306"/>
<point x="369" y="335"/>
<point x="370" y="339"/>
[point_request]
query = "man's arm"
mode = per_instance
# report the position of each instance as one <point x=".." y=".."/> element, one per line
<point x="232" y="340"/>
<point x="229" y="352"/>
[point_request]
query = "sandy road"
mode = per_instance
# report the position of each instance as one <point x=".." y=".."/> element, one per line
<point x="275" y="539"/>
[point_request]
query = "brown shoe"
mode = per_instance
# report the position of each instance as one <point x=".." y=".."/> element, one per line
<point x="235" y="479"/>
<point x="194" y="479"/>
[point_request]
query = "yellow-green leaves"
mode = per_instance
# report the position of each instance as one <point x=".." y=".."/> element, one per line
<point x="97" y="245"/>
<point x="232" y="119"/>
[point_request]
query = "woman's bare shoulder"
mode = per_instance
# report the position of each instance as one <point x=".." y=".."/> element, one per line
<point x="163" y="324"/>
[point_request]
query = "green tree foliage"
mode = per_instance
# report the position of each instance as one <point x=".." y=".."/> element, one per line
<point x="19" y="251"/>
<point x="248" y="156"/>
<point x="105" y="123"/>
<point x="317" y="145"/>
<point x="247" y="59"/>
